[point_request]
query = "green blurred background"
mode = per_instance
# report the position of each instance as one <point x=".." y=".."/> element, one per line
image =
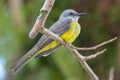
<point x="101" y="23"/>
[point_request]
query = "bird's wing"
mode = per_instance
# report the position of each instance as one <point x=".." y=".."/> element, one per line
<point x="47" y="52"/>
<point x="59" y="28"/>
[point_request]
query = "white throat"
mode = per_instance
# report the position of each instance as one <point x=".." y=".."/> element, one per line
<point x="76" y="19"/>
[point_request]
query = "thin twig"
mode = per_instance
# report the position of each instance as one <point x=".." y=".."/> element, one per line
<point x="95" y="55"/>
<point x="111" y="74"/>
<point x="97" y="46"/>
<point x="45" y="10"/>
<point x="84" y="64"/>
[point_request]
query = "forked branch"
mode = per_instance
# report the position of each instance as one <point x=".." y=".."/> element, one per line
<point x="39" y="27"/>
<point x="97" y="46"/>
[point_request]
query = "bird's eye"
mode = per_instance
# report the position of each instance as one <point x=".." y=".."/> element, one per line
<point x="71" y="13"/>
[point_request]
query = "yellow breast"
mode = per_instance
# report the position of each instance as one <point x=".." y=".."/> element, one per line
<point x="72" y="33"/>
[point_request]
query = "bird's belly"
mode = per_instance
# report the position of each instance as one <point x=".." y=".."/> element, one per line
<point x="51" y="45"/>
<point x="70" y="35"/>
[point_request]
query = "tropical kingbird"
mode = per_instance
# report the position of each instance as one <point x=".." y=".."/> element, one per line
<point x="67" y="27"/>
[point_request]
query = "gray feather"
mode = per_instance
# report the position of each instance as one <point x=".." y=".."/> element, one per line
<point x="22" y="61"/>
<point x="59" y="28"/>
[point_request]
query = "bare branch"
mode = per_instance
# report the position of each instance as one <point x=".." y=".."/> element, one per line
<point x="74" y="52"/>
<point x="97" y="46"/>
<point x="95" y="55"/>
<point x="84" y="64"/>
<point x="54" y="36"/>
<point x="45" y="10"/>
<point x="39" y="27"/>
<point x="81" y="58"/>
<point x="111" y="74"/>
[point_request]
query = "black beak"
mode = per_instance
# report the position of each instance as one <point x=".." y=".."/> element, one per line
<point x="80" y="14"/>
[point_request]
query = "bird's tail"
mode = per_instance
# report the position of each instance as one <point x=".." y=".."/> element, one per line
<point x="24" y="60"/>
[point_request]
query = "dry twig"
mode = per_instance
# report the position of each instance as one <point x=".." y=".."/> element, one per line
<point x="44" y="12"/>
<point x="84" y="64"/>
<point x="95" y="55"/>
<point x="97" y="46"/>
<point x="111" y="74"/>
<point x="39" y="27"/>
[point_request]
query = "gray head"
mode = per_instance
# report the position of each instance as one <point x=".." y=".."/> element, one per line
<point x="71" y="13"/>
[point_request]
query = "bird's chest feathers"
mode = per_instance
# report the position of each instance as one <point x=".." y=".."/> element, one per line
<point x="72" y="33"/>
<point x="69" y="36"/>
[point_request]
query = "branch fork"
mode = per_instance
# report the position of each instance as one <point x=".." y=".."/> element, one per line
<point x="39" y="27"/>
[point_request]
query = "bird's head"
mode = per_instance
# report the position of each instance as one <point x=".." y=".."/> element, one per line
<point x="71" y="13"/>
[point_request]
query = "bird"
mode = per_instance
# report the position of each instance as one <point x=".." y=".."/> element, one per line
<point x="67" y="27"/>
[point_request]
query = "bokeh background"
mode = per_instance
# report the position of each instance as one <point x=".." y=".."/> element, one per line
<point x="101" y="23"/>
